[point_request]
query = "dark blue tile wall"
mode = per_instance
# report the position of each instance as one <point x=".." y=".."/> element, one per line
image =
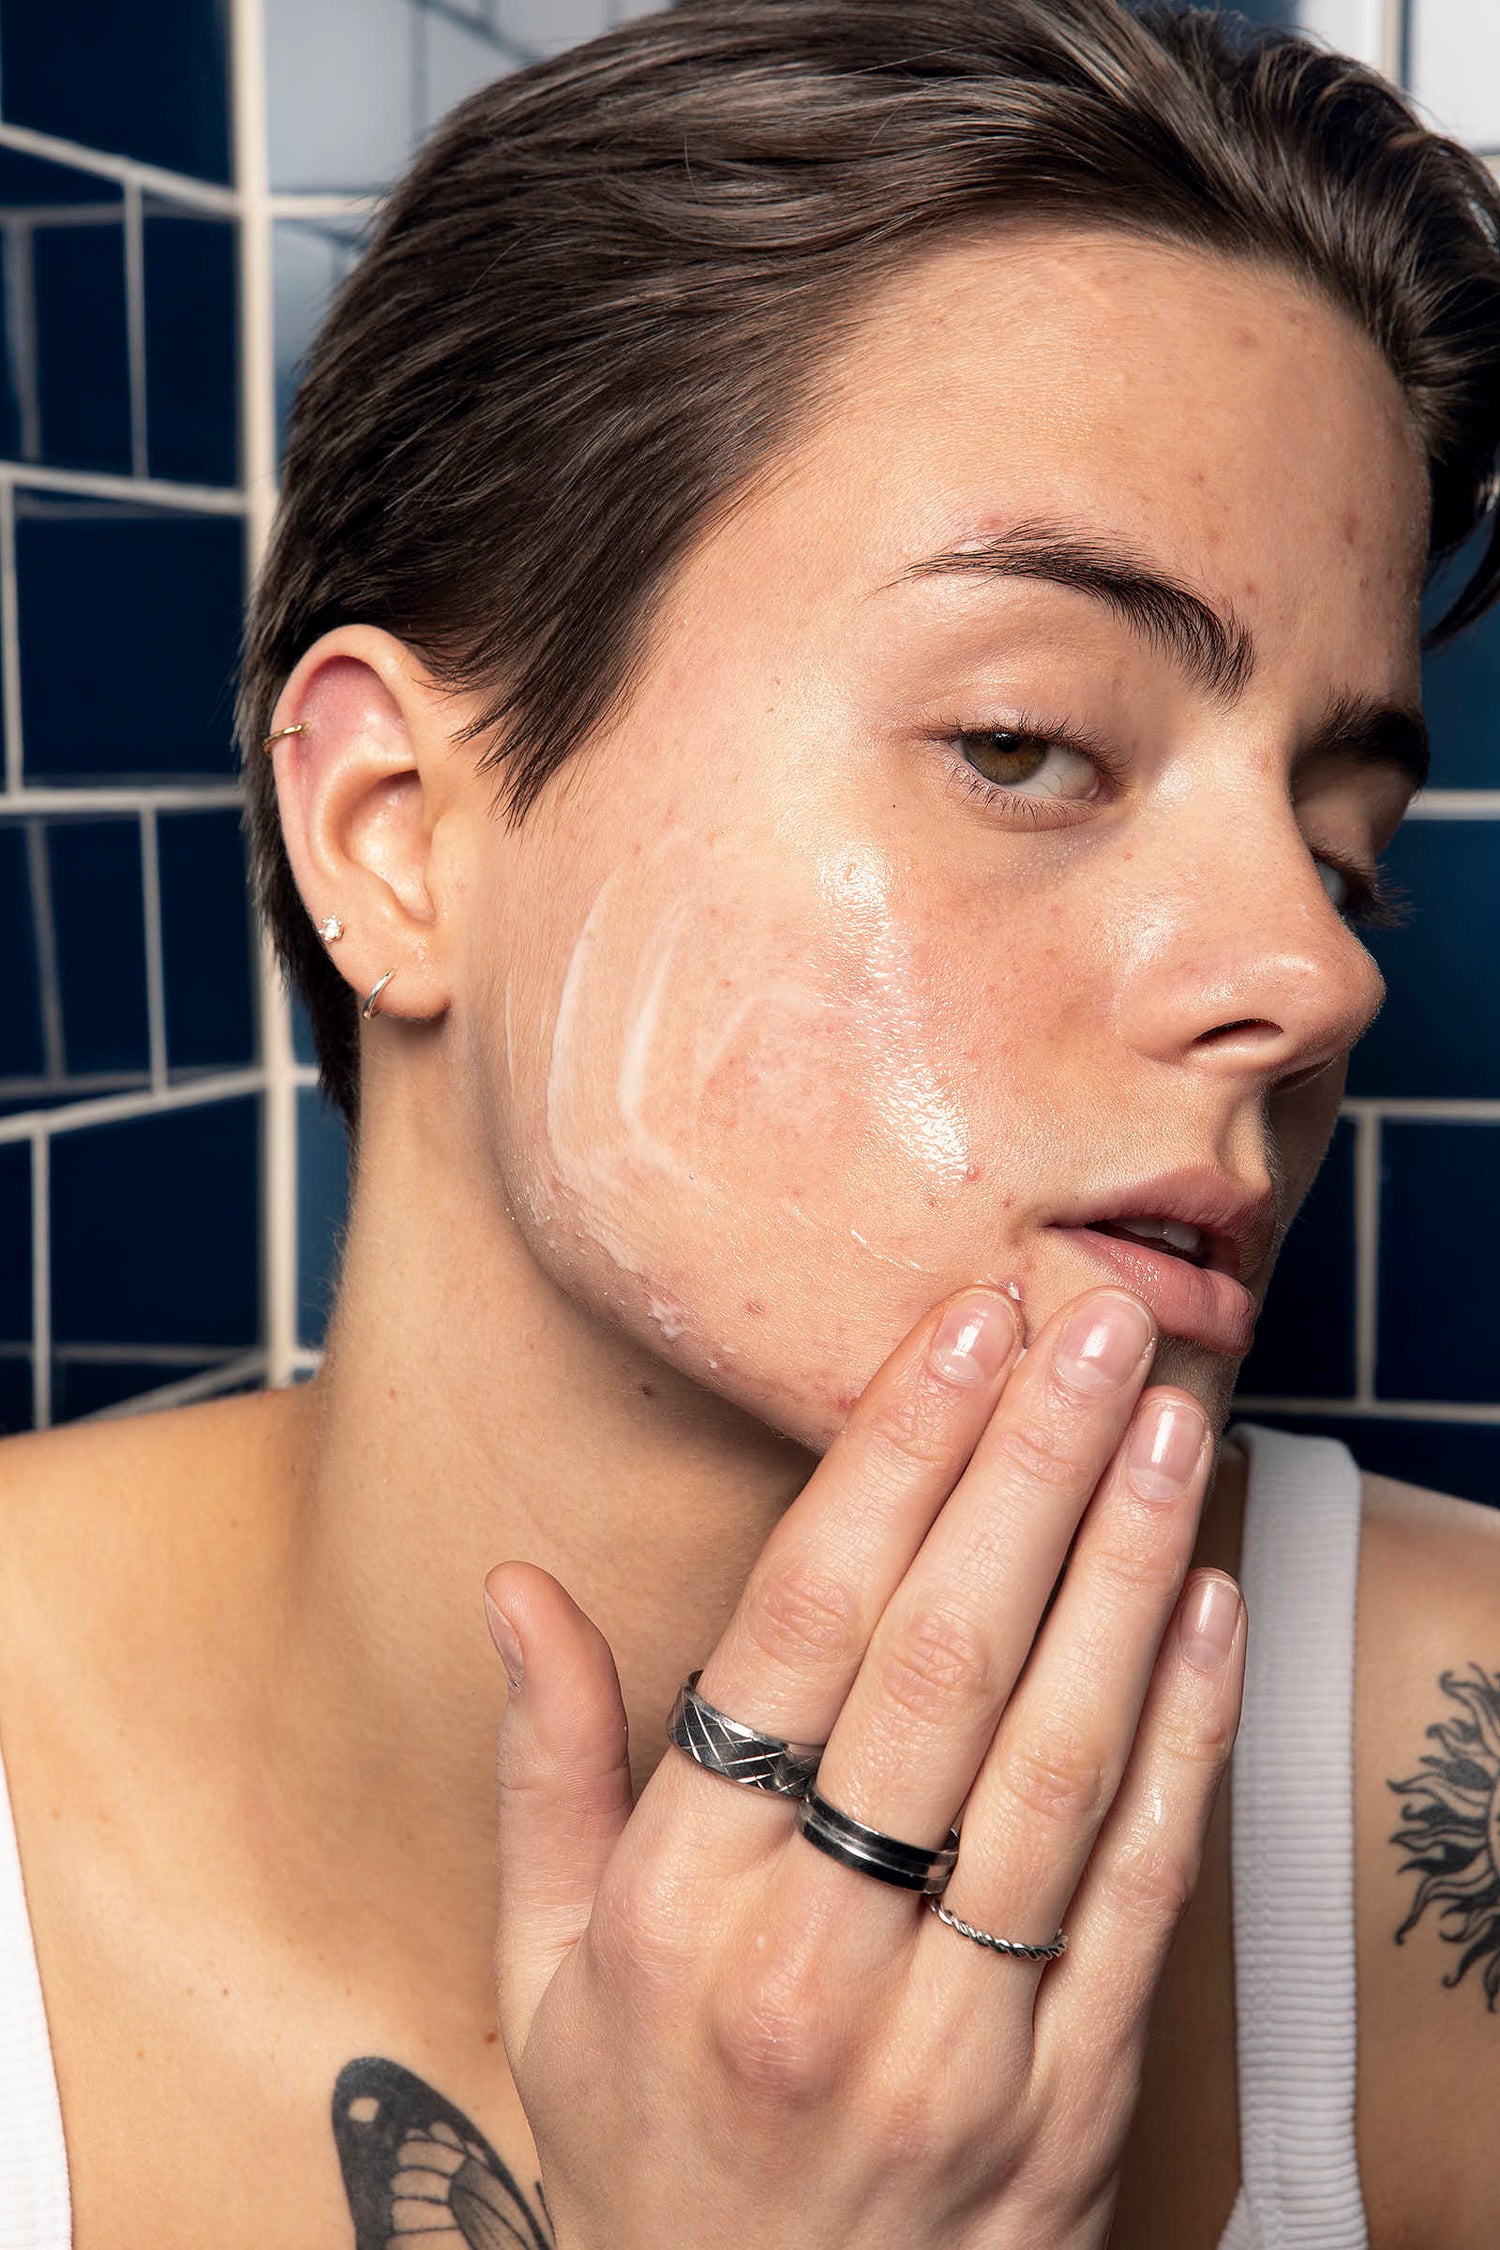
<point x="191" y="346"/>
<point x="15" y="1243"/>
<point x="156" y="1229"/>
<point x="1304" y="1347"/>
<point x="82" y="348"/>
<point x="1461" y="697"/>
<point x="206" y="941"/>
<point x="23" y="1053"/>
<point x="149" y="81"/>
<point x="322" y="1190"/>
<point x="129" y="630"/>
<point x="94" y="869"/>
<point x="1439" y="1245"/>
<point x="1438" y="1032"/>
<point x="1458" y="1457"/>
<point x="86" y="1386"/>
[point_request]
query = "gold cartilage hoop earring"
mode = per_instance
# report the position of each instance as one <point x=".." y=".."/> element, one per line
<point x="369" y="1009"/>
<point x="300" y="728"/>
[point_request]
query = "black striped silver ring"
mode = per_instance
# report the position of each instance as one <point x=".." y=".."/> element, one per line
<point x="911" y="1867"/>
<point x="740" y="1753"/>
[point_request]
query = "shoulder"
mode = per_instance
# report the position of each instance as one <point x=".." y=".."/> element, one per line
<point x="1427" y="1863"/>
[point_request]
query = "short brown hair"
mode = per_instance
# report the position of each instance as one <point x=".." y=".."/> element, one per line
<point x="594" y="307"/>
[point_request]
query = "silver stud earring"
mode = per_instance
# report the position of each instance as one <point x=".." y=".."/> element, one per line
<point x="369" y="1009"/>
<point x="330" y="928"/>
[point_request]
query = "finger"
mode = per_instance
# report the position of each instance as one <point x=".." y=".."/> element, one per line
<point x="1060" y="1751"/>
<point x="952" y="1641"/>
<point x="1145" y="1864"/>
<point x="564" y="1776"/>
<point x="786" y="1660"/>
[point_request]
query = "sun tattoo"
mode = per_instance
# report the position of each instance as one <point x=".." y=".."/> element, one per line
<point x="1451" y="1829"/>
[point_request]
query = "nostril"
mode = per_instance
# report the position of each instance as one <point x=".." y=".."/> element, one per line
<point x="1255" y="1026"/>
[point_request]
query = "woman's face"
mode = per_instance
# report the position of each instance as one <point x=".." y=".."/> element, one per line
<point x="960" y="896"/>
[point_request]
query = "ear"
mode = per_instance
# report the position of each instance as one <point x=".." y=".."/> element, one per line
<point x="362" y="789"/>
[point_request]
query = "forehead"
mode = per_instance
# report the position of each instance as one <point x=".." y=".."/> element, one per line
<point x="1218" y="414"/>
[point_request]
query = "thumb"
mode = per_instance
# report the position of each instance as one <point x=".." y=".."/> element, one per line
<point x="564" y="1774"/>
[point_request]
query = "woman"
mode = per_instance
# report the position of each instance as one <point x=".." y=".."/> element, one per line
<point x="841" y="648"/>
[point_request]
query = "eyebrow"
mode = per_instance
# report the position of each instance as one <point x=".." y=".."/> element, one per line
<point x="1212" y="646"/>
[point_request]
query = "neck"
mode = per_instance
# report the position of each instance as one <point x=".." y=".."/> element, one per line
<point x="467" y="1412"/>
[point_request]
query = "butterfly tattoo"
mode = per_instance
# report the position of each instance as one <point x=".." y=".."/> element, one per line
<point x="419" y="2175"/>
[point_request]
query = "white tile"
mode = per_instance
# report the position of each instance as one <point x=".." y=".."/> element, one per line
<point x="1355" y="27"/>
<point x="338" y="92"/>
<point x="456" y="62"/>
<point x="549" y="25"/>
<point x="1454" y="49"/>
<point x="308" y="261"/>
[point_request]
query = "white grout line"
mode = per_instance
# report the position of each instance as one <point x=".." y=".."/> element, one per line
<point x="1418" y="1109"/>
<point x="1379" y="1410"/>
<point x="258" y="469"/>
<point x="180" y="186"/>
<point x="1366" y="1251"/>
<point x="1455" y="804"/>
<point x="10" y="641"/>
<point x="44" y="931"/>
<point x="246" y="1368"/>
<point x="321" y="205"/>
<point x="98" y="484"/>
<point x="41" y="1280"/>
<point x="20" y="333"/>
<point x="172" y="796"/>
<point x="156" y="983"/>
<point x="145" y="1355"/>
<point x="1393" y="41"/>
<point x="118" y="1109"/>
<point x="135" y="326"/>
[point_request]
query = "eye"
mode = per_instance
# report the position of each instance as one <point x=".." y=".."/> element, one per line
<point x="1010" y="763"/>
<point x="1337" y="884"/>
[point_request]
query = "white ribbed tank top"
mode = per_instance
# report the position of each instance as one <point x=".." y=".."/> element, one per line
<point x="1292" y="1844"/>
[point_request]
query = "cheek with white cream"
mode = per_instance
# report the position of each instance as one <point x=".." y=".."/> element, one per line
<point x="749" y="1118"/>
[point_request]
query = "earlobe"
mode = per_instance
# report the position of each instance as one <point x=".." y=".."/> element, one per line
<point x="362" y="753"/>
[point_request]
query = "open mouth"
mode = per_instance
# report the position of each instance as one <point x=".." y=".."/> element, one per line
<point x="1174" y="1236"/>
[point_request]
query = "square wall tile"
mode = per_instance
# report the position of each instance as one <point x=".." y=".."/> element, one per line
<point x="129" y="635"/>
<point x="1461" y="1458"/>
<point x="205" y="936"/>
<point x="1304" y="1344"/>
<point x="79" y="340"/>
<point x="1461" y="701"/>
<point x="23" y="1049"/>
<point x="1453" y="67"/>
<point x="1439" y="1245"/>
<point x="339" y="92"/>
<point x="454" y="62"/>
<point x="191" y="266"/>
<point x="99" y="937"/>
<point x="156" y="1230"/>
<point x="1436" y="1035"/>
<point x="39" y="198"/>
<point x="309" y="259"/>
<point x="145" y="81"/>
<point x="322" y="1197"/>
<point x="1354" y="27"/>
<point x="15" y="1242"/>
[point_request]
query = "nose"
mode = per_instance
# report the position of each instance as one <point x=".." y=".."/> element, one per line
<point x="1242" y="965"/>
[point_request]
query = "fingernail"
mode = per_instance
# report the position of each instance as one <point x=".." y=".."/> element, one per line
<point x="1207" y="1622"/>
<point x="1166" y="1443"/>
<point x="503" y="1634"/>
<point x="974" y="1339"/>
<point x="1103" y="1343"/>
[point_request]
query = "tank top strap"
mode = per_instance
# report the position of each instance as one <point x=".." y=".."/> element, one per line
<point x="34" y="2201"/>
<point x="1292" y="1851"/>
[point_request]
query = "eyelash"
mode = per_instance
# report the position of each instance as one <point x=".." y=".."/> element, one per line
<point x="1374" y="903"/>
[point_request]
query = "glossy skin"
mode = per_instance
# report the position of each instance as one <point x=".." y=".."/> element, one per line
<point x="770" y="1031"/>
<point x="819" y="972"/>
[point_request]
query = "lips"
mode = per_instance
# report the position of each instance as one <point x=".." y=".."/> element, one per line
<point x="1186" y="1243"/>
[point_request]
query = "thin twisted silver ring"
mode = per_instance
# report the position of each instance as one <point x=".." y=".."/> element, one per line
<point x="740" y="1753"/>
<point x="911" y="1867"/>
<point x="1013" y="1946"/>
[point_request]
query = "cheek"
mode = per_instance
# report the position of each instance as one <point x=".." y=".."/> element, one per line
<point x="772" y="1119"/>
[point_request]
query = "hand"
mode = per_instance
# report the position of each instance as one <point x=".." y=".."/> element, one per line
<point x="724" y="2039"/>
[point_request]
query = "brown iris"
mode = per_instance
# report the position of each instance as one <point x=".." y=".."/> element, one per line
<point x="1005" y="758"/>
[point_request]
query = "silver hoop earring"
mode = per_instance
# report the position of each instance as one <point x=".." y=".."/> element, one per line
<point x="369" y="1009"/>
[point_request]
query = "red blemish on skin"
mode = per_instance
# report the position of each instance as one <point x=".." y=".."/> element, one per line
<point x="490" y="2037"/>
<point x="754" y="1305"/>
<point x="1246" y="338"/>
<point x="844" y="1400"/>
<point x="647" y="1390"/>
<point x="974" y="1172"/>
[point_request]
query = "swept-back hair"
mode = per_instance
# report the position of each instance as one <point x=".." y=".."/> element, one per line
<point x="601" y="298"/>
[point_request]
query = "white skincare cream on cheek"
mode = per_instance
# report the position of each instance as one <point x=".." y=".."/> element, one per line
<point x="729" y="1051"/>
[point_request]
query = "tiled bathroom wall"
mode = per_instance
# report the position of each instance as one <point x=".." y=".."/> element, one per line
<point x="180" y="188"/>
